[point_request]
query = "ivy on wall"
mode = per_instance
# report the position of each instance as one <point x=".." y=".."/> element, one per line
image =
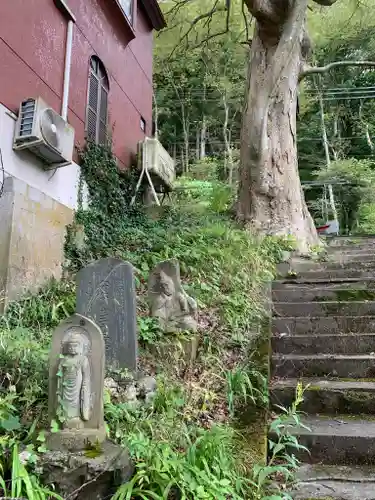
<point x="103" y="224"/>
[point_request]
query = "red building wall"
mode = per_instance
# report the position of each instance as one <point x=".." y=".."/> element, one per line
<point x="32" y="53"/>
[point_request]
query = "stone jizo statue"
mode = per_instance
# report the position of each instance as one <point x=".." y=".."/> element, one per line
<point x="76" y="407"/>
<point x="76" y="382"/>
<point x="169" y="302"/>
<point x="74" y="387"/>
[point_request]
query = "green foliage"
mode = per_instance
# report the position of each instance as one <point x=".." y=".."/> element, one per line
<point x="281" y="460"/>
<point x="222" y="198"/>
<point x="24" y="365"/>
<point x="366" y="218"/>
<point x="358" y="190"/>
<point x="21" y="483"/>
<point x="43" y="310"/>
<point x="244" y="385"/>
<point x="173" y="458"/>
<point x="206" y="169"/>
<point x="149" y="330"/>
<point x="196" y="89"/>
<point x="107" y="219"/>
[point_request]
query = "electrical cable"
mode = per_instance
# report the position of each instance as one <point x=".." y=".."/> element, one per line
<point x="2" y="174"/>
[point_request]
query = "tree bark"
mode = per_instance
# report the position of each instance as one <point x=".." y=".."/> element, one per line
<point x="202" y="153"/>
<point x="366" y="127"/>
<point x="228" y="155"/>
<point x="270" y="193"/>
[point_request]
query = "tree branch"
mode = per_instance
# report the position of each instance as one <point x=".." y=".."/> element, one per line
<point x="318" y="70"/>
<point x="197" y="20"/>
<point x="325" y="3"/>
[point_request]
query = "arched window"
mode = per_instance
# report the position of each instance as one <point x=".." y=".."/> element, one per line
<point x="97" y="102"/>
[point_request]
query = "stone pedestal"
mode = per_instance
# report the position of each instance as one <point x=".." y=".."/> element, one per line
<point x="77" y="476"/>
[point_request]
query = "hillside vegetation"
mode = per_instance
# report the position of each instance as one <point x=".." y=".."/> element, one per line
<point x="205" y="431"/>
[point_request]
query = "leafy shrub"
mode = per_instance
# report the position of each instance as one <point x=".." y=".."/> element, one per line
<point x="21" y="483"/>
<point x="358" y="182"/>
<point x="207" y="169"/>
<point x="175" y="459"/>
<point x="42" y="310"/>
<point x="149" y="330"/>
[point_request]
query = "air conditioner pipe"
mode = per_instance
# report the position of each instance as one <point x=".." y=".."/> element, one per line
<point x="68" y="63"/>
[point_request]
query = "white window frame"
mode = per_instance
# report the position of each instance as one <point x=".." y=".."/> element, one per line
<point x="133" y="5"/>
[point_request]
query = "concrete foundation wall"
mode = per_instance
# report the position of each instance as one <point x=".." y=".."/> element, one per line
<point x="32" y="232"/>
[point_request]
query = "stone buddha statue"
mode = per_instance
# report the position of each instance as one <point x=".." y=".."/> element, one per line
<point x="74" y="382"/>
<point x="169" y="302"/>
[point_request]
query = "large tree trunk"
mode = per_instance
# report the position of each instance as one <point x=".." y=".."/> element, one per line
<point x="270" y="194"/>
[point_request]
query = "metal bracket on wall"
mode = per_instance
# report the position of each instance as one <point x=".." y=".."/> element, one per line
<point x="2" y="174"/>
<point x="146" y="173"/>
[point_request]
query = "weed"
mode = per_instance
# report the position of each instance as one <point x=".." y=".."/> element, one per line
<point x="149" y="330"/>
<point x="242" y="386"/>
<point x="42" y="310"/>
<point x="281" y="462"/>
<point x="21" y="483"/>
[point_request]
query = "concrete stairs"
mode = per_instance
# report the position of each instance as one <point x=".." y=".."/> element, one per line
<point x="323" y="334"/>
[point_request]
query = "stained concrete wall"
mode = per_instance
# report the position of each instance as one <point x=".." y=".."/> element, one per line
<point x="32" y="231"/>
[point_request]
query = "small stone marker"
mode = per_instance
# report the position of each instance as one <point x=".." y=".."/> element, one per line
<point x="76" y="381"/>
<point x="169" y="302"/>
<point x="106" y="294"/>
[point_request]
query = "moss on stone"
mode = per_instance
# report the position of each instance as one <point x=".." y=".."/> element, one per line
<point x="320" y="498"/>
<point x="347" y="296"/>
<point x="360" y="396"/>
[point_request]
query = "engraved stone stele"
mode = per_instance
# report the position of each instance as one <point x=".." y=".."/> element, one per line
<point x="76" y="381"/>
<point x="168" y="301"/>
<point x="106" y="295"/>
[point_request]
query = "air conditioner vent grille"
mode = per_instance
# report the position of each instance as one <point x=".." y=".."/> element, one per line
<point x="27" y="117"/>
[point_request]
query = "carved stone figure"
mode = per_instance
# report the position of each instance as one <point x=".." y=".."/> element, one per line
<point x="74" y="387"/>
<point x="77" y="361"/>
<point x="169" y="302"/>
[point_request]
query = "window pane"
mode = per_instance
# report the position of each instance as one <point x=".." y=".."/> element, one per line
<point x="127" y="7"/>
<point x="103" y="105"/>
<point x="91" y="124"/>
<point x="93" y="92"/>
<point x="102" y="139"/>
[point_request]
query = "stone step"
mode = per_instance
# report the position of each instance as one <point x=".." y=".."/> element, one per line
<point x="351" y="251"/>
<point x="326" y="308"/>
<point x="362" y="247"/>
<point x="323" y="325"/>
<point x="328" y="397"/>
<point x="329" y="275"/>
<point x="334" y="482"/>
<point x="350" y="241"/>
<point x="334" y="265"/>
<point x="323" y="365"/>
<point x="360" y="343"/>
<point x="337" y="441"/>
<point x="358" y="256"/>
<point x="318" y="294"/>
<point x="307" y="284"/>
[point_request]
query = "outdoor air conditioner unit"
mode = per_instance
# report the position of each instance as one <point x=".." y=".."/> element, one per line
<point x="45" y="133"/>
<point x="157" y="161"/>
